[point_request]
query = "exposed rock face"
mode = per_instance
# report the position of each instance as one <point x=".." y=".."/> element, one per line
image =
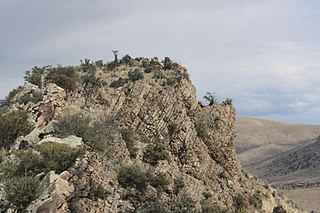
<point x="201" y="165"/>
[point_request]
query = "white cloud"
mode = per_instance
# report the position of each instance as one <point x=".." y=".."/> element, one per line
<point x="263" y="54"/>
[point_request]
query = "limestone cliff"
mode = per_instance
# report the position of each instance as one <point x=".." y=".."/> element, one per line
<point x="155" y="127"/>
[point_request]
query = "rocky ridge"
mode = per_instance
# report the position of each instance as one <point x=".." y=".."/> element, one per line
<point x="151" y="107"/>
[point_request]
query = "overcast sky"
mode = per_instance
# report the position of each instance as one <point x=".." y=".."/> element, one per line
<point x="264" y="54"/>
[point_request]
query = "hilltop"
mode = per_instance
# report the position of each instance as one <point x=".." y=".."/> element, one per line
<point x="123" y="136"/>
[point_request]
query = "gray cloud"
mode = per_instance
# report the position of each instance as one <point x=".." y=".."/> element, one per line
<point x="262" y="54"/>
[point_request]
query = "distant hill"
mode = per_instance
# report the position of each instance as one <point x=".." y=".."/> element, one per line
<point x="287" y="156"/>
<point x="259" y="139"/>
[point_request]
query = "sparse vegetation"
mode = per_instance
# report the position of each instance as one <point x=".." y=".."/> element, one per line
<point x="208" y="207"/>
<point x="201" y="131"/>
<point x="13" y="93"/>
<point x="118" y="83"/>
<point x="155" y="152"/>
<point x="240" y="203"/>
<point x="178" y="185"/>
<point x="33" y="96"/>
<point x="129" y="137"/>
<point x="136" y="177"/>
<point x="135" y="75"/>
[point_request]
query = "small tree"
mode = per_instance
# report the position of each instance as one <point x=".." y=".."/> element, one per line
<point x="167" y="63"/>
<point x="212" y="98"/>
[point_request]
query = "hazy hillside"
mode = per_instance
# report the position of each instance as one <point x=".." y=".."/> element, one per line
<point x="259" y="139"/>
<point x="286" y="156"/>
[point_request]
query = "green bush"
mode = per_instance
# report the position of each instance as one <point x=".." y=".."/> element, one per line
<point x="30" y="164"/>
<point x="34" y="76"/>
<point x="13" y="125"/>
<point x="129" y="137"/>
<point x="65" y="77"/>
<point x="208" y="207"/>
<point x="73" y="124"/>
<point x="51" y="156"/>
<point x="240" y="203"/>
<point x="172" y="128"/>
<point x="159" y="181"/>
<point x="96" y="191"/>
<point x="3" y="154"/>
<point x="21" y="191"/>
<point x="155" y="152"/>
<point x="167" y="63"/>
<point x="13" y="93"/>
<point x="172" y="81"/>
<point x="118" y="83"/>
<point x="135" y="75"/>
<point x="201" y="131"/>
<point x="183" y="204"/>
<point x="98" y="135"/>
<point x="58" y="157"/>
<point x="134" y="176"/>
<point x="178" y="185"/>
<point x="33" y="96"/>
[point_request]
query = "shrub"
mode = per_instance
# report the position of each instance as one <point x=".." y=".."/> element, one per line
<point x="97" y="135"/>
<point x="159" y="181"/>
<point x="96" y="190"/>
<point x="3" y="154"/>
<point x="134" y="176"/>
<point x="74" y="124"/>
<point x="13" y="93"/>
<point x="207" y="194"/>
<point x="172" y="81"/>
<point x="34" y="76"/>
<point x="172" y="128"/>
<point x="126" y="59"/>
<point x="279" y="209"/>
<point x="208" y="207"/>
<point x="201" y="131"/>
<point x="183" y="204"/>
<point x="155" y="152"/>
<point x="33" y="96"/>
<point x="135" y="75"/>
<point x="167" y="63"/>
<point x="21" y="191"/>
<point x="129" y="137"/>
<point x="178" y="185"/>
<point x="158" y="74"/>
<point x="118" y="83"/>
<point x="65" y="77"/>
<point x="30" y="164"/>
<point x="13" y="125"/>
<point x="58" y="157"/>
<point x="240" y="203"/>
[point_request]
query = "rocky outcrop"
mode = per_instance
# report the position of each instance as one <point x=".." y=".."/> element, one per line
<point x="198" y="169"/>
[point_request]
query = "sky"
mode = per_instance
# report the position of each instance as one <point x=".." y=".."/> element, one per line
<point x="263" y="54"/>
